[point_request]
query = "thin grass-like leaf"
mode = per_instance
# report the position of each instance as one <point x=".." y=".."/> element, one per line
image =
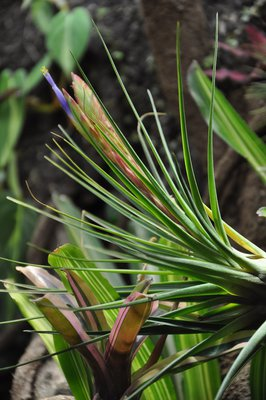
<point x="211" y="177"/>
<point x="257" y="375"/>
<point x="253" y="345"/>
<point x="185" y="145"/>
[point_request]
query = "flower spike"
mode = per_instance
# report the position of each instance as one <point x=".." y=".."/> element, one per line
<point x="57" y="91"/>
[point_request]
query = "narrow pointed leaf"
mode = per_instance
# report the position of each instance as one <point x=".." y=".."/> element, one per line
<point x="183" y="127"/>
<point x="254" y="343"/>
<point x="258" y="375"/>
<point x="210" y="165"/>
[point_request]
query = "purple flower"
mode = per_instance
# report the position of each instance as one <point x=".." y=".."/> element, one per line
<point x="57" y="91"/>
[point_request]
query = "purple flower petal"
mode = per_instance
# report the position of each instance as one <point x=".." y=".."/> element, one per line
<point x="57" y="91"/>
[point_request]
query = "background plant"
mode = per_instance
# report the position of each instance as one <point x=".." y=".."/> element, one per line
<point x="251" y="57"/>
<point x="62" y="28"/>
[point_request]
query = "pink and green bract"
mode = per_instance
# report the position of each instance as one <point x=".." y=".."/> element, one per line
<point x="111" y="367"/>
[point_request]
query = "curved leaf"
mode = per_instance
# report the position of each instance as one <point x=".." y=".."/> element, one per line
<point x="257" y="375"/>
<point x="244" y="356"/>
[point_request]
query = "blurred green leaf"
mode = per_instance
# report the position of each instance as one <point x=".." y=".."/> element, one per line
<point x="262" y="212"/>
<point x="12" y="112"/>
<point x="227" y="123"/>
<point x="8" y="220"/>
<point x="26" y="4"/>
<point x="68" y="32"/>
<point x="18" y="225"/>
<point x="13" y="177"/>
<point x="42" y="14"/>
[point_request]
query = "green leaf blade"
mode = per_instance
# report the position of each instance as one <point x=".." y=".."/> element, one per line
<point x="257" y="375"/>
<point x="244" y="356"/>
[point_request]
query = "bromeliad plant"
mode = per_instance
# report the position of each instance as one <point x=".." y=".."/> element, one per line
<point x="212" y="279"/>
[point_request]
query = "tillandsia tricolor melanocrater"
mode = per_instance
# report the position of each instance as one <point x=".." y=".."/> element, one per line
<point x="191" y="241"/>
